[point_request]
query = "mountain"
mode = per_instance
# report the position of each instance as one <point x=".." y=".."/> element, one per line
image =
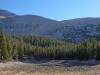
<point x="29" y="24"/>
<point x="74" y="30"/>
<point x="5" y="14"/>
<point x="81" y="28"/>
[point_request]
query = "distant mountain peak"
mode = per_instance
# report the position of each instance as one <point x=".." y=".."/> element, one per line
<point x="5" y="14"/>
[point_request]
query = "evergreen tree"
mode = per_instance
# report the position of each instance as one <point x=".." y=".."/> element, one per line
<point x="3" y="46"/>
<point x="21" y="49"/>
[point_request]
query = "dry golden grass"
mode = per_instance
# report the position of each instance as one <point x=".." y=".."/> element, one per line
<point x="51" y="71"/>
<point x="33" y="69"/>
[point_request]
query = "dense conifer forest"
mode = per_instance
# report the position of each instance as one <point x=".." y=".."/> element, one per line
<point x="39" y="47"/>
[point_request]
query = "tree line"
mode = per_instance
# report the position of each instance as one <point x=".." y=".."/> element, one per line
<point x="39" y="47"/>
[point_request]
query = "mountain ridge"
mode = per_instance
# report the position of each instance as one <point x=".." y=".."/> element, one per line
<point x="74" y="30"/>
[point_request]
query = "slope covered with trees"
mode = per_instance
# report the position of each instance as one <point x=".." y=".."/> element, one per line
<point x="15" y="48"/>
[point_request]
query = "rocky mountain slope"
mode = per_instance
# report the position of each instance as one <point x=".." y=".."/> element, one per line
<point x="74" y="30"/>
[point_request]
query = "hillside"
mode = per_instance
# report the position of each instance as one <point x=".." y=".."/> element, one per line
<point x="74" y="30"/>
<point x="6" y="14"/>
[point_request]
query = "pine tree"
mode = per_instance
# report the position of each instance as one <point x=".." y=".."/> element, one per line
<point x="15" y="51"/>
<point x="9" y="48"/>
<point x="3" y="46"/>
<point x="21" y="49"/>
